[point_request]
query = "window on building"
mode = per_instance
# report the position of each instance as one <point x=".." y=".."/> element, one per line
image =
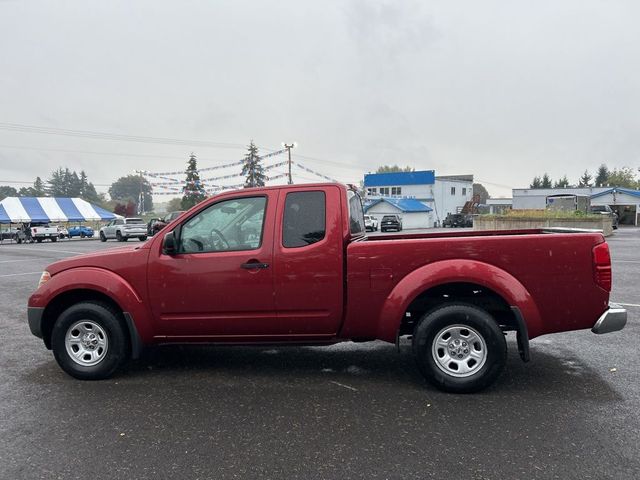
<point x="464" y="191"/>
<point x="453" y="190"/>
<point x="304" y="219"/>
<point x="372" y="191"/>
<point x="396" y="190"/>
<point x="384" y="191"/>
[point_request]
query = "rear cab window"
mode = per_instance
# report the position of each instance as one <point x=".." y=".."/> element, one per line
<point x="356" y="213"/>
<point x="304" y="221"/>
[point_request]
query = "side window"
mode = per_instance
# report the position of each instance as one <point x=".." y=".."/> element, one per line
<point x="356" y="215"/>
<point x="304" y="219"/>
<point x="230" y="225"/>
<point x="453" y="190"/>
<point x="119" y="222"/>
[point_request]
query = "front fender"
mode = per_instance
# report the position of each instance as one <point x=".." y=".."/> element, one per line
<point x="102" y="281"/>
<point x="456" y="271"/>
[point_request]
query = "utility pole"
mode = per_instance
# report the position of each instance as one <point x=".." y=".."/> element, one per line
<point x="289" y="146"/>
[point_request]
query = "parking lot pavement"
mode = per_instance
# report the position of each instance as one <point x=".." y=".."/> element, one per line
<point x="345" y="411"/>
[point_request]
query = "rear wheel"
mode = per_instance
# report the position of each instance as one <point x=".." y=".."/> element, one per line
<point x="82" y="235"/>
<point x="88" y="341"/>
<point x="142" y="238"/>
<point x="459" y="348"/>
<point x="54" y="239"/>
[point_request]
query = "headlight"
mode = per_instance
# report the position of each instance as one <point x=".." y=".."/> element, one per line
<point x="44" y="278"/>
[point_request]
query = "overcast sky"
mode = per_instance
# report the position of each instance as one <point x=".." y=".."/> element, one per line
<point x="504" y="90"/>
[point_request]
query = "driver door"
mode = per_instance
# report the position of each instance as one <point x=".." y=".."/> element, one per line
<point x="220" y="283"/>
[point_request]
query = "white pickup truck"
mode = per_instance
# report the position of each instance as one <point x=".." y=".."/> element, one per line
<point x="44" y="232"/>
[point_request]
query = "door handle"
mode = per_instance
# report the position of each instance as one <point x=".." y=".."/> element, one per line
<point x="254" y="265"/>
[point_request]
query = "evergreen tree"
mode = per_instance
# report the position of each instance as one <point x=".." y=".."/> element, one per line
<point x="585" y="179"/>
<point x="546" y="181"/>
<point x="602" y="176"/>
<point x="193" y="190"/>
<point x="39" y="189"/>
<point x="537" y="183"/>
<point x="252" y="168"/>
<point x="562" y="183"/>
<point x="86" y="189"/>
<point x="7" y="191"/>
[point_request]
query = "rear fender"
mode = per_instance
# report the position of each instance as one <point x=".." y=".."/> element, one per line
<point x="102" y="281"/>
<point x="453" y="271"/>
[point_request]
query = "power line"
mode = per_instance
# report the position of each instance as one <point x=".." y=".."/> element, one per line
<point x="16" y="127"/>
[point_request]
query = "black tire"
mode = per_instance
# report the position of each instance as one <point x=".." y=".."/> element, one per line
<point x="119" y="236"/>
<point x="142" y="238"/>
<point x="102" y="237"/>
<point x="54" y="239"/>
<point x="108" y="319"/>
<point x="39" y="240"/>
<point x="476" y="321"/>
<point x="82" y="235"/>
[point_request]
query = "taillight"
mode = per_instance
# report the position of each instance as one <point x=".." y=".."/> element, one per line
<point x="602" y="266"/>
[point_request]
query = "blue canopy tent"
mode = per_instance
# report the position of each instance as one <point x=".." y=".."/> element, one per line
<point x="51" y="210"/>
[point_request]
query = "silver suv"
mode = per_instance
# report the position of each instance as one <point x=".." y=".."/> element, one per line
<point x="122" y="229"/>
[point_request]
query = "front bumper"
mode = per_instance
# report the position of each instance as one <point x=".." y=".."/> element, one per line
<point x="34" y="316"/>
<point x="612" y="320"/>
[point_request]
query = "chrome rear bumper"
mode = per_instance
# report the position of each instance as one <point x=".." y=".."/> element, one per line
<point x="612" y="320"/>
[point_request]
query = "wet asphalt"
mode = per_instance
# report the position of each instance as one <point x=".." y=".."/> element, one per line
<point x="344" y="411"/>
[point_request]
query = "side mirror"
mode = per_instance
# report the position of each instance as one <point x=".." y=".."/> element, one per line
<point x="169" y="244"/>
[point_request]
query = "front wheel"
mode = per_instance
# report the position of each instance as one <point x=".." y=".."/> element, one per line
<point x="119" y="236"/>
<point x="459" y="348"/>
<point x="88" y="341"/>
<point x="142" y="238"/>
<point x="102" y="237"/>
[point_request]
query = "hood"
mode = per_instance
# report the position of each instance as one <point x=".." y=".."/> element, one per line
<point x="110" y="259"/>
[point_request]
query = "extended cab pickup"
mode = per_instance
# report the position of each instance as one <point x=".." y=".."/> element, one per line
<point x="293" y="265"/>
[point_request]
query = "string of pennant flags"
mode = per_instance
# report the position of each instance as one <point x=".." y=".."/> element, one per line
<point x="163" y="184"/>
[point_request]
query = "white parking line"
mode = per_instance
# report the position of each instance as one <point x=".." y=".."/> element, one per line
<point x="28" y="260"/>
<point x="627" y="304"/>
<point x="19" y="249"/>
<point x="25" y="273"/>
<point x="626" y="261"/>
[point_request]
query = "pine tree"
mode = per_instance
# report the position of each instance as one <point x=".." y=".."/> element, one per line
<point x="585" y="179"/>
<point x="39" y="188"/>
<point x="562" y="183"/>
<point x="537" y="183"/>
<point x="602" y="176"/>
<point x="252" y="168"/>
<point x="193" y="190"/>
<point x="546" y="181"/>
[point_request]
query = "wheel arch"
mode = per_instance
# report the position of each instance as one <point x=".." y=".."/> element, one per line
<point x="450" y="280"/>
<point x="97" y="285"/>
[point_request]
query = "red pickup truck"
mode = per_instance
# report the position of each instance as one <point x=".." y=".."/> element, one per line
<point x="293" y="265"/>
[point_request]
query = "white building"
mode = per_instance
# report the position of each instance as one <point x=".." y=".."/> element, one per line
<point x="624" y="201"/>
<point x="441" y="194"/>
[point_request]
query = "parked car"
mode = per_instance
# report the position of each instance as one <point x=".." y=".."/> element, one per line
<point x="81" y="231"/>
<point x="606" y="210"/>
<point x="62" y="231"/>
<point x="370" y="223"/>
<point x="122" y="229"/>
<point x="391" y="222"/>
<point x="458" y="220"/>
<point x="170" y="217"/>
<point x="291" y="264"/>
<point x="9" y="234"/>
